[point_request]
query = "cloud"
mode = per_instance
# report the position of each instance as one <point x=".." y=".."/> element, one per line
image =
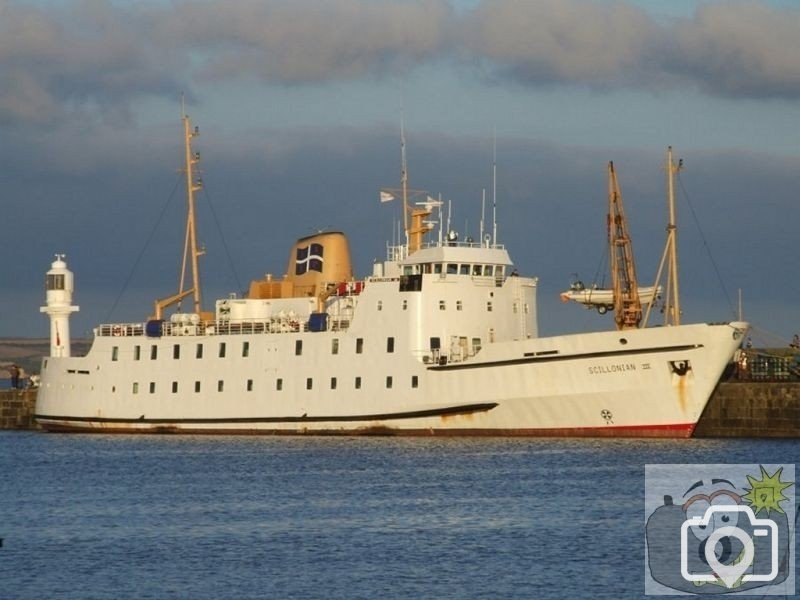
<point x="95" y="57"/>
<point x="307" y="40"/>
<point x="738" y="49"/>
<point x="85" y="55"/>
<point x="558" y="40"/>
<point x="742" y="49"/>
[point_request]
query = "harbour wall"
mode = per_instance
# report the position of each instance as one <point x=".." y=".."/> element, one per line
<point x="752" y="409"/>
<point x="17" y="409"/>
<point x="736" y="409"/>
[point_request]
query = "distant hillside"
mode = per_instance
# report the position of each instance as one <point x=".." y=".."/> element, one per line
<point x="28" y="352"/>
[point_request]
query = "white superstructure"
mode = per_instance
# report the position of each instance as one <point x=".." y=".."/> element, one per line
<point x="441" y="339"/>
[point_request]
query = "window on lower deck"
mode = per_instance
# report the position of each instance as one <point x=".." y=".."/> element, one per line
<point x="115" y="353"/>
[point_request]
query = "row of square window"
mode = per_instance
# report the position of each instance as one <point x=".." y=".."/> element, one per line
<point x="278" y="384"/>
<point x="443" y="305"/>
<point x="298" y="349"/>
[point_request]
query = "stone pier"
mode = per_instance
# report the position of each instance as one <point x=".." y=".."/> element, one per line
<point x="752" y="409"/>
<point x="17" y="409"/>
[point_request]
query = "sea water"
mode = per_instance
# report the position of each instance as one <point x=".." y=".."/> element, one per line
<point x="108" y="516"/>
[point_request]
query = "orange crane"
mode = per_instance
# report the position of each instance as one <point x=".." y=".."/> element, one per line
<point x="627" y="304"/>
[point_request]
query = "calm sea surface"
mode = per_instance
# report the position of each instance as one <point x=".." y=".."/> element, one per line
<point x="84" y="516"/>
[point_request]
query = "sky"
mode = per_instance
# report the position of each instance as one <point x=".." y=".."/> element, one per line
<point x="299" y="104"/>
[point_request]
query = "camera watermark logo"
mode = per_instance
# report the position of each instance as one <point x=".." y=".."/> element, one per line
<point x="714" y="529"/>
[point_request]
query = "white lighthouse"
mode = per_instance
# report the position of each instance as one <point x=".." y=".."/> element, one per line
<point x="59" y="286"/>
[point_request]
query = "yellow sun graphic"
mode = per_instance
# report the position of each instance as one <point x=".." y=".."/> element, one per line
<point x="766" y="493"/>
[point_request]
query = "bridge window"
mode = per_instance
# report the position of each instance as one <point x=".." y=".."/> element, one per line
<point x="452" y="269"/>
<point x="488" y="270"/>
<point x="437" y="268"/>
<point x="476" y="270"/>
<point x="464" y="270"/>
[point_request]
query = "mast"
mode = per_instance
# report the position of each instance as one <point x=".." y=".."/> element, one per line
<point x="672" y="313"/>
<point x="404" y="177"/>
<point x="627" y="305"/>
<point x="672" y="304"/>
<point x="191" y="253"/>
<point x="494" y="188"/>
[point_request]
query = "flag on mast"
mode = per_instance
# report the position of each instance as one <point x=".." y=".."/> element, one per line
<point x="386" y="196"/>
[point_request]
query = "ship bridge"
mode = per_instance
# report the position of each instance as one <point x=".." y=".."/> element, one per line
<point x="459" y="258"/>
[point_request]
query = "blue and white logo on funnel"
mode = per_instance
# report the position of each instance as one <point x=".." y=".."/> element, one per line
<point x="308" y="259"/>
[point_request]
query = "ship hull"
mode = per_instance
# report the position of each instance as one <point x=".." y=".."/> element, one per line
<point x="639" y="383"/>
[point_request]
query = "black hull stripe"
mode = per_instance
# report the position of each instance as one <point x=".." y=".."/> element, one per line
<point x="553" y="358"/>
<point x="436" y="412"/>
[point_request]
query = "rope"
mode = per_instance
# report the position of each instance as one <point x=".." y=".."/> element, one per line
<point x="144" y="248"/>
<point x="707" y="247"/>
<point x="231" y="265"/>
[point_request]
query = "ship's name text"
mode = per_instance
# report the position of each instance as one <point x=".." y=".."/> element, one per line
<point x="617" y="368"/>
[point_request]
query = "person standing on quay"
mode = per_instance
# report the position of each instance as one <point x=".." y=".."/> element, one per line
<point x="14" y="371"/>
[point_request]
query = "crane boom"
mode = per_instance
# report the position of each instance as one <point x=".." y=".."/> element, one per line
<point x="627" y="304"/>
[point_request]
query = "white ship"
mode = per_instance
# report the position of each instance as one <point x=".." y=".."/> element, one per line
<point x="441" y="338"/>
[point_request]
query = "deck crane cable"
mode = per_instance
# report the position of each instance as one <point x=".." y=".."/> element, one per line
<point x="144" y="248"/>
<point x="707" y="247"/>
<point x="231" y="265"/>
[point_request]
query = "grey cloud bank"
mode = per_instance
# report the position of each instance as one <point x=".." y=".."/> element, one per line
<point x="99" y="56"/>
